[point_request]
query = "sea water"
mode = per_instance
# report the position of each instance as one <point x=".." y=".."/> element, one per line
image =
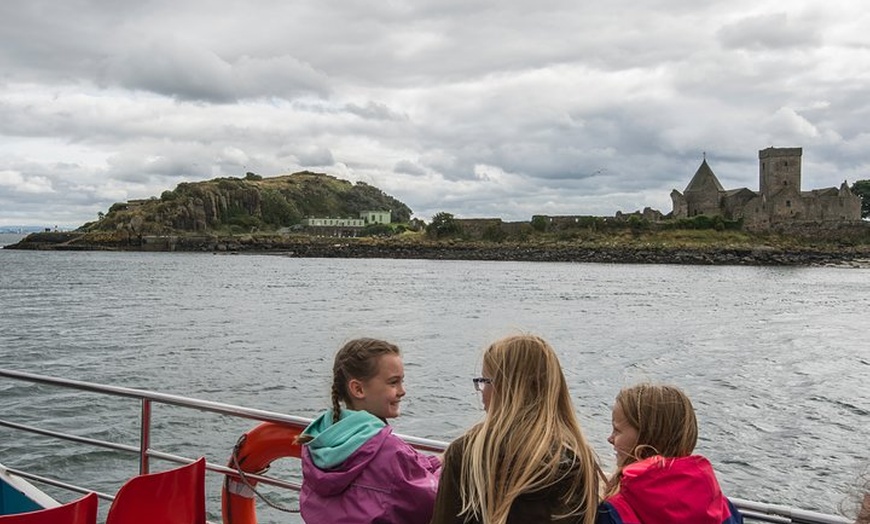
<point x="774" y="359"/>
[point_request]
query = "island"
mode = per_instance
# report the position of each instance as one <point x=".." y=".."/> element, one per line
<point x="309" y="214"/>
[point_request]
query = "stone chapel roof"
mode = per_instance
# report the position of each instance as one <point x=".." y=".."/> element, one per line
<point x="704" y="179"/>
<point x="828" y="191"/>
<point x="740" y="190"/>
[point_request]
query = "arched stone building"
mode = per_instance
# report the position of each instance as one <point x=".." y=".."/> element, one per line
<point x="779" y="199"/>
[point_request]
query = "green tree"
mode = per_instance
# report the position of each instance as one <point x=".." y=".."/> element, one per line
<point x="276" y="209"/>
<point x="377" y="230"/>
<point x="539" y="223"/>
<point x="862" y="189"/>
<point x="443" y="225"/>
<point x="494" y="233"/>
<point x="637" y="224"/>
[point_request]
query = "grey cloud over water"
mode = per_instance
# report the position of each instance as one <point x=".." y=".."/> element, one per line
<point x="478" y="108"/>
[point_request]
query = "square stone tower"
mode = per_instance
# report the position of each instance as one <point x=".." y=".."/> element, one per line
<point x="779" y="169"/>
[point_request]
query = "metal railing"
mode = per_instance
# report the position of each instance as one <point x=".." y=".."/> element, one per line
<point x="761" y="512"/>
<point x="752" y="511"/>
<point x="144" y="450"/>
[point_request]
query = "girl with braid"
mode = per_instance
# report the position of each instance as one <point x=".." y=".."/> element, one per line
<point x="354" y="470"/>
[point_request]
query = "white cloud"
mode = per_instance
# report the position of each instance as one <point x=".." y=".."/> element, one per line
<point x="314" y="156"/>
<point x="768" y="31"/>
<point x="789" y="125"/>
<point x="15" y="182"/>
<point x="477" y="108"/>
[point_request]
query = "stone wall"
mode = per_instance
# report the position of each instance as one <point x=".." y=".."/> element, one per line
<point x="476" y="227"/>
<point x="703" y="202"/>
<point x="834" y="207"/>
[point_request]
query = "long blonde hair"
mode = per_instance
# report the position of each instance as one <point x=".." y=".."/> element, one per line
<point x="665" y="422"/>
<point x="530" y="438"/>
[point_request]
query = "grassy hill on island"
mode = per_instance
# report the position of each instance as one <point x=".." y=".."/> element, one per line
<point x="241" y="205"/>
<point x="256" y="214"/>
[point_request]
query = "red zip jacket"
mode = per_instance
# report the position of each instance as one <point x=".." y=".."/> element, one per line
<point x="662" y="490"/>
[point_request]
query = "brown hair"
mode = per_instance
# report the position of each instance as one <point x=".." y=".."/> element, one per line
<point x="665" y="422"/>
<point x="358" y="359"/>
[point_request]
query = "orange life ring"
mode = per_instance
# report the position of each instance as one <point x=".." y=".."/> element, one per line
<point x="253" y="453"/>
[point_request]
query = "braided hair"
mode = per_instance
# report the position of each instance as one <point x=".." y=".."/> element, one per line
<point x="357" y="359"/>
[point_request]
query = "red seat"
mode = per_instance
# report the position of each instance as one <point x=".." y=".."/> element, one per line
<point x="175" y="496"/>
<point x="81" y="511"/>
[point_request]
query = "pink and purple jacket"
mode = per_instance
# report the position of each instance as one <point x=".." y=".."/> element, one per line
<point x="662" y="490"/>
<point x="357" y="471"/>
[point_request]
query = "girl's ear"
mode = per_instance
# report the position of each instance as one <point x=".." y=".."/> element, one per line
<point x="356" y="389"/>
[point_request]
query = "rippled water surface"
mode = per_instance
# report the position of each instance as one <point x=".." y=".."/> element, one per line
<point x="775" y="359"/>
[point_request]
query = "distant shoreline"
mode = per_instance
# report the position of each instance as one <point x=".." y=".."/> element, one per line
<point x="10" y="238"/>
<point x="613" y="255"/>
<point x="321" y="247"/>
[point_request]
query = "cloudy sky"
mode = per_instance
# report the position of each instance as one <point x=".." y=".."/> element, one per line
<point x="481" y="108"/>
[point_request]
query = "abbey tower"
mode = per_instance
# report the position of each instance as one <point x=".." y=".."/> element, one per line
<point x="779" y="200"/>
<point x="779" y="169"/>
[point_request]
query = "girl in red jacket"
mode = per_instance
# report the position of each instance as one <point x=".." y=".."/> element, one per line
<point x="657" y="478"/>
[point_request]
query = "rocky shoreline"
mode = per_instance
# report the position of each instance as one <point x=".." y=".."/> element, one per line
<point x="312" y="247"/>
<point x="614" y="255"/>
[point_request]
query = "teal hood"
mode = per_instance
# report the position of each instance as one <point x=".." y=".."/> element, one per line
<point x="333" y="442"/>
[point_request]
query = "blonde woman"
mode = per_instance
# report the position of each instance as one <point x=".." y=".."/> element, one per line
<point x="528" y="461"/>
<point x="657" y="478"/>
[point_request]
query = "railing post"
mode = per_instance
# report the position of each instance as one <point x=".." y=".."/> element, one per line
<point x="145" y="436"/>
